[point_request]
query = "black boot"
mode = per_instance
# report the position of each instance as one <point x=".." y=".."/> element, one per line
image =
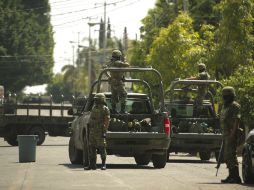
<point x="227" y="178"/>
<point x="235" y="176"/>
<point x="92" y="166"/>
<point x="103" y="165"/>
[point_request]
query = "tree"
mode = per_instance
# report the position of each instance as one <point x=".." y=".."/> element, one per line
<point x="58" y="87"/>
<point x="177" y="50"/>
<point x="235" y="37"/>
<point x="203" y="13"/>
<point x="101" y="35"/>
<point x="243" y="82"/>
<point x="26" y="50"/>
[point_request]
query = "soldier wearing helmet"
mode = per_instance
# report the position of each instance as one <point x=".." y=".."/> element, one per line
<point x="229" y="120"/>
<point x="116" y="82"/>
<point x="98" y="126"/>
<point x="202" y="89"/>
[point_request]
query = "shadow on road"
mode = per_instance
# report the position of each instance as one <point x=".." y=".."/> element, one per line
<point x="72" y="166"/>
<point x="110" y="166"/>
<point x="218" y="183"/>
<point x="7" y="146"/>
<point x="127" y="166"/>
<point x="54" y="145"/>
<point x="190" y="161"/>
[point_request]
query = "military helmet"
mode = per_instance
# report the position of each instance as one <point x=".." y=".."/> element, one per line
<point x="201" y="66"/>
<point x="228" y="90"/>
<point x="116" y="53"/>
<point x="101" y="97"/>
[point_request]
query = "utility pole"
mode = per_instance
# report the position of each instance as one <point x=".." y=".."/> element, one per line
<point x="105" y="37"/>
<point x="78" y="49"/>
<point x="73" y="62"/>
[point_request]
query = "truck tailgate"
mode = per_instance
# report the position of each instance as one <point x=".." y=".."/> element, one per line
<point x="131" y="143"/>
<point x="187" y="142"/>
<point x="136" y="135"/>
<point x="201" y="136"/>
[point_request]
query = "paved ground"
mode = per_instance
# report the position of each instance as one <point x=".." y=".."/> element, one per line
<point x="52" y="171"/>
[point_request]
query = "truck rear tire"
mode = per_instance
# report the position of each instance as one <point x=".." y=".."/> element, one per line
<point x="12" y="140"/>
<point x="205" y="156"/>
<point x="142" y="159"/>
<point x="40" y="132"/>
<point x="159" y="161"/>
<point x="75" y="155"/>
<point x="247" y="173"/>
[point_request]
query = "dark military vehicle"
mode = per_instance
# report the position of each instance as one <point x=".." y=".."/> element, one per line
<point x="193" y="132"/>
<point x="33" y="119"/>
<point x="248" y="159"/>
<point x="142" y="133"/>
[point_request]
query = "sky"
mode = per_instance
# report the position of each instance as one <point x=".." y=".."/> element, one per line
<point x="70" y="23"/>
<point x="70" y="19"/>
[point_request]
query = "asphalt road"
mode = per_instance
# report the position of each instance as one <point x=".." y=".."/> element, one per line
<point x="52" y="171"/>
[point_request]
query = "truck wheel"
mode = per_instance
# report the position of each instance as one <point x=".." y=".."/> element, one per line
<point x="39" y="132"/>
<point x="75" y="155"/>
<point x="85" y="154"/>
<point x="247" y="173"/>
<point x="142" y="159"/>
<point x="159" y="161"/>
<point x="12" y="140"/>
<point x="205" y="156"/>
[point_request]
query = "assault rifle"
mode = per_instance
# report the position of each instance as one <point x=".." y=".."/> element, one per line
<point x="220" y="158"/>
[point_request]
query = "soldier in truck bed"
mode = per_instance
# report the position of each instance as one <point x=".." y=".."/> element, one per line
<point x="116" y="82"/>
<point x="202" y="90"/>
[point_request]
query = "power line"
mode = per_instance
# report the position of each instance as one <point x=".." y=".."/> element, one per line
<point x="55" y="2"/>
<point x="81" y="10"/>
<point x="98" y="13"/>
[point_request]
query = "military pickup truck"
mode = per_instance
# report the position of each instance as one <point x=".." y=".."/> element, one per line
<point x="145" y="143"/>
<point x="248" y="159"/>
<point x="33" y="119"/>
<point x="192" y="133"/>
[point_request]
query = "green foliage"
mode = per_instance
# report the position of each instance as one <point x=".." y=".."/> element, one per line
<point x="235" y="36"/>
<point x="58" y="87"/>
<point x="202" y="12"/>
<point x="26" y="50"/>
<point x="243" y="82"/>
<point x="176" y="50"/>
<point x="160" y="16"/>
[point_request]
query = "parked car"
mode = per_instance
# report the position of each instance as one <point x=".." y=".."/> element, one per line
<point x="248" y="159"/>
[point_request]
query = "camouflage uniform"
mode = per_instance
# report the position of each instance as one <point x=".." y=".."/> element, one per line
<point x="116" y="81"/>
<point x="98" y="125"/>
<point x="229" y="117"/>
<point x="203" y="75"/>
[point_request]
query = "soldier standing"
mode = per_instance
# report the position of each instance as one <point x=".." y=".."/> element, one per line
<point x="116" y="82"/>
<point x="202" y="75"/>
<point x="229" y="120"/>
<point x="98" y="126"/>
